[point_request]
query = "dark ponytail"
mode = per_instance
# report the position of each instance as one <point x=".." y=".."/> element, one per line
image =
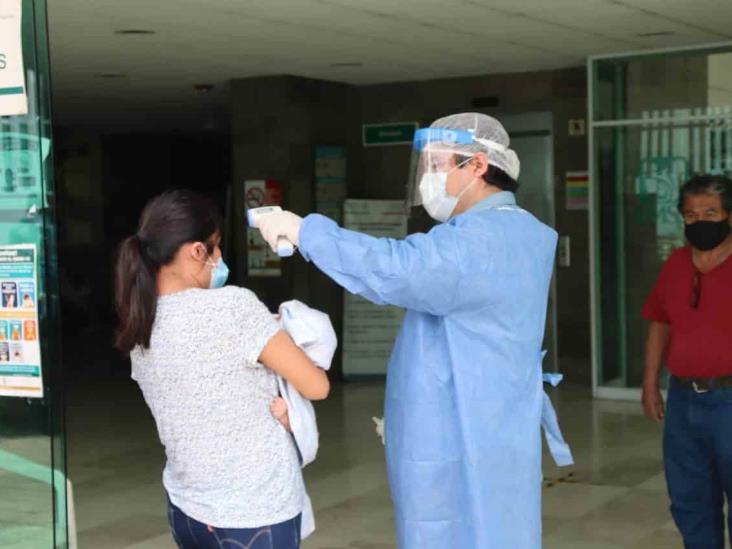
<point x="168" y="222"/>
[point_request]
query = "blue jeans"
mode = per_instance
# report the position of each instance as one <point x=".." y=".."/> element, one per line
<point x="697" y="448"/>
<point x="191" y="534"/>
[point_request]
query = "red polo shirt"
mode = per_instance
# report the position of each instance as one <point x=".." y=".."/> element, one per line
<point x="701" y="338"/>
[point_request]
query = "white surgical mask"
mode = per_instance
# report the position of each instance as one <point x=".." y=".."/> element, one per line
<point x="439" y="204"/>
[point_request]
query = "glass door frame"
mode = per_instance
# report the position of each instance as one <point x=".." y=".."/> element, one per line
<point x="39" y="420"/>
<point x="598" y="390"/>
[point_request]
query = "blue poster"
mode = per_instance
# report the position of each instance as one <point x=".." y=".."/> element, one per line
<point x="9" y="295"/>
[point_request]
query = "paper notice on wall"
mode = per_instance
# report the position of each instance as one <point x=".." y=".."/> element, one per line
<point x="369" y="330"/>
<point x="13" y="98"/>
<point x="330" y="181"/>
<point x="261" y="260"/>
<point x="20" y="349"/>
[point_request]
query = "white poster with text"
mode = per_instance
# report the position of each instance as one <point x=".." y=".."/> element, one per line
<point x="13" y="98"/>
<point x="369" y="330"/>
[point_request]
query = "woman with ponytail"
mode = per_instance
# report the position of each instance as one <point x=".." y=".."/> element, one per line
<point x="206" y="358"/>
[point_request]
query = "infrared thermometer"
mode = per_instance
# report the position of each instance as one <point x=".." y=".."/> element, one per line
<point x="285" y="248"/>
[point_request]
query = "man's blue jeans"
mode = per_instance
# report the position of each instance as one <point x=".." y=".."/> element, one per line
<point x="697" y="448"/>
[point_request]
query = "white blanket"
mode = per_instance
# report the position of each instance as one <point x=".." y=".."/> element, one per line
<point x="313" y="332"/>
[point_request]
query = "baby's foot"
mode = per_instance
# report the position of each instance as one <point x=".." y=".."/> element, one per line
<point x="279" y="411"/>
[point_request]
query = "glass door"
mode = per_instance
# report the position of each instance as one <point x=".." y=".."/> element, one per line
<point x="656" y="119"/>
<point x="33" y="510"/>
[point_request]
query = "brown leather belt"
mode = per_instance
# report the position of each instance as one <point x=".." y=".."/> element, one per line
<point x="704" y="384"/>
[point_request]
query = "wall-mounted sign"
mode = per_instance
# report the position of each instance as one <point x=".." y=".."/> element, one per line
<point x="369" y="330"/>
<point x="13" y="99"/>
<point x="577" y="190"/>
<point x="261" y="260"/>
<point x="399" y="133"/>
<point x="577" y="127"/>
<point x="20" y="350"/>
<point x="330" y="181"/>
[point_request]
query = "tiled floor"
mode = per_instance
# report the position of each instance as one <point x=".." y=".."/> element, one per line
<point x="614" y="499"/>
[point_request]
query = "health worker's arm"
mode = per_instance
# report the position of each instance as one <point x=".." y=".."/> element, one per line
<point x="420" y="273"/>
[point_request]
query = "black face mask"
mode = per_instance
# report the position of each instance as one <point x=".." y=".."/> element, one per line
<point x="707" y="235"/>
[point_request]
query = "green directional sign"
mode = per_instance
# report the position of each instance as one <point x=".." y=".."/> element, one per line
<point x="399" y="133"/>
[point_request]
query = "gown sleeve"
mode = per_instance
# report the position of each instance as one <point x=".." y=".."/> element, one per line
<point x="421" y="272"/>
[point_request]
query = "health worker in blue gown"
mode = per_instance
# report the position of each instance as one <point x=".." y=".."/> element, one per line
<point x="464" y="397"/>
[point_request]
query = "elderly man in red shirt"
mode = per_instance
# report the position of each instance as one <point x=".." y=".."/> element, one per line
<point x="690" y="310"/>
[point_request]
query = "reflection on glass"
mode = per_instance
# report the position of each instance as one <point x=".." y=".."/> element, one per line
<point x="695" y="82"/>
<point x="32" y="466"/>
<point x="659" y="119"/>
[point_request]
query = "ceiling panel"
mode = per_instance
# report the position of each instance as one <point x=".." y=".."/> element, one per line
<point x="199" y="41"/>
<point x="713" y="17"/>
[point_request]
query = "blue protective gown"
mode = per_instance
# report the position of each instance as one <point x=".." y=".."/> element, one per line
<point x="464" y="395"/>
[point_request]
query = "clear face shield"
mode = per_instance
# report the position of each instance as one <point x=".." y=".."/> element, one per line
<point x="435" y="153"/>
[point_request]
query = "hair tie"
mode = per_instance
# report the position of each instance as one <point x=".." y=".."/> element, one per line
<point x="143" y="244"/>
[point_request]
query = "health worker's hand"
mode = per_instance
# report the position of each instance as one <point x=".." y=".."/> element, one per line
<point x="281" y="224"/>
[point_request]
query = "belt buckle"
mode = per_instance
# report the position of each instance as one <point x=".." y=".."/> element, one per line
<point x="697" y="390"/>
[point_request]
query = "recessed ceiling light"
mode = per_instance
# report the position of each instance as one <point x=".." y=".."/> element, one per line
<point x="134" y="31"/>
<point x="655" y="34"/>
<point x="348" y="65"/>
<point x="203" y="88"/>
<point x="110" y="75"/>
